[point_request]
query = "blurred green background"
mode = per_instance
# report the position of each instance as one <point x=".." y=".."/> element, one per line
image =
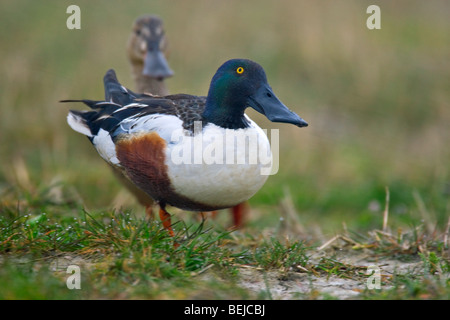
<point x="377" y="101"/>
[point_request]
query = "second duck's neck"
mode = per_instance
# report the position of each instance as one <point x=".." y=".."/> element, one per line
<point x="146" y="84"/>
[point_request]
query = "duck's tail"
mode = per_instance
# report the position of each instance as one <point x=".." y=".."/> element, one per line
<point x="102" y="113"/>
<point x="115" y="92"/>
<point x="79" y="121"/>
<point x="89" y="122"/>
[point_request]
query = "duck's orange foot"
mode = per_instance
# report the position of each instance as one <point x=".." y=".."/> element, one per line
<point x="167" y="224"/>
<point x="166" y="220"/>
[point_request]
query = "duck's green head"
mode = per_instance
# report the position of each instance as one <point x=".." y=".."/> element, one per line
<point x="242" y="83"/>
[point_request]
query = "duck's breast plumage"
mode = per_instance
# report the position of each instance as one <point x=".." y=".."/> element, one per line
<point x="222" y="167"/>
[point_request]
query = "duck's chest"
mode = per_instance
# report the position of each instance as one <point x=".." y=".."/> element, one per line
<point x="217" y="166"/>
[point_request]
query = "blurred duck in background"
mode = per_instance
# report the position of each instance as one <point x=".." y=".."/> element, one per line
<point x="147" y="52"/>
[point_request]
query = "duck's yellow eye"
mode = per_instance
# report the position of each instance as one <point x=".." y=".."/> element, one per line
<point x="240" y="70"/>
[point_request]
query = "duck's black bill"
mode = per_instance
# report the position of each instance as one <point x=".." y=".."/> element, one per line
<point x="267" y="103"/>
<point x="156" y="66"/>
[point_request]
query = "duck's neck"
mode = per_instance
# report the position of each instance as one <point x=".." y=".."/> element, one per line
<point x="221" y="113"/>
<point x="145" y="84"/>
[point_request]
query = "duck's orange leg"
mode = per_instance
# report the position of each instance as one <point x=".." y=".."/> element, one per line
<point x="166" y="221"/>
<point x="239" y="212"/>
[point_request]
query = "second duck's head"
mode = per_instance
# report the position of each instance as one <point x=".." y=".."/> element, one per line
<point x="147" y="47"/>
<point x="242" y="83"/>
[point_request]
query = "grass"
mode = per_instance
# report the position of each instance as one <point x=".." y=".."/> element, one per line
<point x="124" y="256"/>
<point x="125" y="251"/>
<point x="378" y="107"/>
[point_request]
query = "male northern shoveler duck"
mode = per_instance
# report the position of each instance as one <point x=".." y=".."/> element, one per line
<point x="160" y="143"/>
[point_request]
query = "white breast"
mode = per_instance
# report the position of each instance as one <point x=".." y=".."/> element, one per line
<point x="219" y="167"/>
